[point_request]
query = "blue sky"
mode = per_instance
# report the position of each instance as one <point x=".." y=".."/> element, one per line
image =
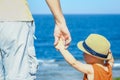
<point x="78" y="6"/>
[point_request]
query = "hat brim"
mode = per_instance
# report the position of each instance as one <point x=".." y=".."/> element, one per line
<point x="80" y="46"/>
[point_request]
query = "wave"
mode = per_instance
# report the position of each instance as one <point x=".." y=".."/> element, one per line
<point x="56" y="63"/>
<point x="116" y="65"/>
<point x="48" y="63"/>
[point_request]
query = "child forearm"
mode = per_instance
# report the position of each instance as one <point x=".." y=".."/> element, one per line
<point x="85" y="68"/>
<point x="68" y="56"/>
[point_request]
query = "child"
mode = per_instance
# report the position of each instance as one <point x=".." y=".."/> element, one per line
<point x="97" y="55"/>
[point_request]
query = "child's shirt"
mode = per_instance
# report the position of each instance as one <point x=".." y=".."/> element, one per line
<point x="100" y="73"/>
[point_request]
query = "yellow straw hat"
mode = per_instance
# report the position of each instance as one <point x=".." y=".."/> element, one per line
<point x="96" y="45"/>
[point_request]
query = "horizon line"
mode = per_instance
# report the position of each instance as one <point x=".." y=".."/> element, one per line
<point x="80" y="14"/>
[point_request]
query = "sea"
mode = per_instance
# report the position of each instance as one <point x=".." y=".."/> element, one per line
<point x="52" y="65"/>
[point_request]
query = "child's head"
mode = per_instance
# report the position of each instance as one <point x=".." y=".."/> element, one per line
<point x="95" y="47"/>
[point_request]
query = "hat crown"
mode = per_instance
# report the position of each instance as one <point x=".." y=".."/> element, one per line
<point x="98" y="43"/>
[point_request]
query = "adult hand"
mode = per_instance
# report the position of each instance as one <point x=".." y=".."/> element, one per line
<point x="61" y="32"/>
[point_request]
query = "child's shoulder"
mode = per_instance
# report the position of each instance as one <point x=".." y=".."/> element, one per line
<point x="99" y="67"/>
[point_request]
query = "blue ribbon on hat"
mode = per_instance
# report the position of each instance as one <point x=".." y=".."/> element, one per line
<point x="87" y="48"/>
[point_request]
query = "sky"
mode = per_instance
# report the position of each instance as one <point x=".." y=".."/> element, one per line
<point x="78" y="6"/>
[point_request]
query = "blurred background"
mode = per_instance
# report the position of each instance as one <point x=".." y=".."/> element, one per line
<point x="83" y="18"/>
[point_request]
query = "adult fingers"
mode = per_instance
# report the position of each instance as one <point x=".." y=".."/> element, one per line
<point x="56" y="40"/>
<point x="67" y="41"/>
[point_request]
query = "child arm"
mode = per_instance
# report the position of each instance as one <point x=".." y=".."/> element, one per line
<point x="85" y="68"/>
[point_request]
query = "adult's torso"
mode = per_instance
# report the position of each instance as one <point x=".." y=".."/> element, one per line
<point x="14" y="10"/>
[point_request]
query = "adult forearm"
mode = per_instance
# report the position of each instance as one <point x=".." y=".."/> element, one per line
<point x="55" y="8"/>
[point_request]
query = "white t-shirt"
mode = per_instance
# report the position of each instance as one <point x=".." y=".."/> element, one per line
<point x="14" y="10"/>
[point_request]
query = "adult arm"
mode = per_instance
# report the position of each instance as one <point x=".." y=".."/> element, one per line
<point x="60" y="30"/>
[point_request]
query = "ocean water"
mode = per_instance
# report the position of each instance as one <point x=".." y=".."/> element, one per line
<point x="52" y="65"/>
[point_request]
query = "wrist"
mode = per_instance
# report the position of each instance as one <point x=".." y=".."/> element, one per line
<point x="60" y="20"/>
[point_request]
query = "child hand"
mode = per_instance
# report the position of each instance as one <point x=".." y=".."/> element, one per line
<point x="60" y="45"/>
